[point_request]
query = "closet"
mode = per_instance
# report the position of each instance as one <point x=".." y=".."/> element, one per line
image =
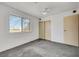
<point x="71" y="30"/>
<point x="45" y="30"/>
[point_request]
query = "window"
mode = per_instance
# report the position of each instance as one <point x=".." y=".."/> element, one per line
<point x="26" y="26"/>
<point x="18" y="24"/>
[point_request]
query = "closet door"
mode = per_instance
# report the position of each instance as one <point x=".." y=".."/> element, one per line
<point x="71" y="30"/>
<point x="47" y="30"/>
<point x="41" y="30"/>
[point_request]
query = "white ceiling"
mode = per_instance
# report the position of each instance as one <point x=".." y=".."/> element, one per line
<point x="36" y="8"/>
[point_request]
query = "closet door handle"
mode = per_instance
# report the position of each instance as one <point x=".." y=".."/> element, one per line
<point x="65" y="30"/>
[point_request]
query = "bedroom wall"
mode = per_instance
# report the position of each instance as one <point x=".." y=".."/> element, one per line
<point x="57" y="25"/>
<point x="10" y="40"/>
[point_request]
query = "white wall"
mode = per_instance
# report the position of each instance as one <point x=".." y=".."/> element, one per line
<point x="57" y="25"/>
<point x="9" y="40"/>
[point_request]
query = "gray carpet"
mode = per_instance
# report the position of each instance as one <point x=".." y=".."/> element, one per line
<point x="42" y="48"/>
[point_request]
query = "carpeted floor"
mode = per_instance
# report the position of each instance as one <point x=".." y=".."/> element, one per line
<point x="42" y="48"/>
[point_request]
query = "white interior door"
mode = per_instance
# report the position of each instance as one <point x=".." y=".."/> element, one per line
<point x="45" y="30"/>
<point x="71" y="30"/>
<point x="41" y="30"/>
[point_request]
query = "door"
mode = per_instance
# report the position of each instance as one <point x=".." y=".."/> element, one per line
<point x="47" y="30"/>
<point x="71" y="30"/>
<point x="41" y="30"/>
<point x="44" y="30"/>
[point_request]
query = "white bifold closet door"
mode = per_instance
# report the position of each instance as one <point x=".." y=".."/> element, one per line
<point x="45" y="30"/>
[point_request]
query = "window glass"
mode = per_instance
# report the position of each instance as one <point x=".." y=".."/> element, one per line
<point x="26" y="25"/>
<point x="15" y="24"/>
